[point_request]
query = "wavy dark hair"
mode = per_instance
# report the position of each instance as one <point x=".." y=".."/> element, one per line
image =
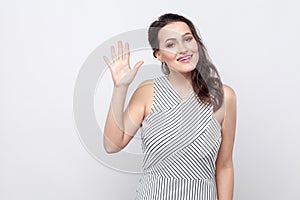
<point x="206" y="80"/>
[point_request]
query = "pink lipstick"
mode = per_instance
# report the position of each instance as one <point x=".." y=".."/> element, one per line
<point x="185" y="59"/>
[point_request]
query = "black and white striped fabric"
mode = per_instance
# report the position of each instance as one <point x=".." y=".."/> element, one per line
<point x="180" y="141"/>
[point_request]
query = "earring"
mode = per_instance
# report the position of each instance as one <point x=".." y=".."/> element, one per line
<point x="164" y="68"/>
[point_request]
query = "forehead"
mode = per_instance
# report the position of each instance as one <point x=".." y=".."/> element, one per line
<point x="174" y="29"/>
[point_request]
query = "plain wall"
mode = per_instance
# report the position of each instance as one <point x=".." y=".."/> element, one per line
<point x="43" y="45"/>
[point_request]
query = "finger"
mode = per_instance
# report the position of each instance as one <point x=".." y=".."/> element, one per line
<point x="106" y="60"/>
<point x="120" y="49"/>
<point x="138" y="65"/>
<point x="126" y="53"/>
<point x="113" y="53"/>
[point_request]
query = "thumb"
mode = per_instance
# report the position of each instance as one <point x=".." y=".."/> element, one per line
<point x="138" y="65"/>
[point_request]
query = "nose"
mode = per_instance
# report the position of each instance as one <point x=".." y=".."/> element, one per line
<point x="182" y="49"/>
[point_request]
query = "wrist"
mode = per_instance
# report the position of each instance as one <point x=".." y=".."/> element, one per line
<point x="120" y="90"/>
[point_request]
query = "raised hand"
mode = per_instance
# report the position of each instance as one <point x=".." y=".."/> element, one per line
<point x="121" y="72"/>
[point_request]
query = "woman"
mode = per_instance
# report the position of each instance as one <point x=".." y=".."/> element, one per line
<point x="187" y="116"/>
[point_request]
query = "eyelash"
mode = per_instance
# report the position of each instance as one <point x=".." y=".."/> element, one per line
<point x="170" y="45"/>
<point x="188" y="39"/>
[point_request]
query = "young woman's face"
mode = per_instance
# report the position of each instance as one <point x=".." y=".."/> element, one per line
<point x="178" y="47"/>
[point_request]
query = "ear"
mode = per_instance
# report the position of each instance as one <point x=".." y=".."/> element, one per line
<point x="158" y="55"/>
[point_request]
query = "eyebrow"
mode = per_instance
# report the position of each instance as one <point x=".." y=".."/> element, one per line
<point x="188" y="33"/>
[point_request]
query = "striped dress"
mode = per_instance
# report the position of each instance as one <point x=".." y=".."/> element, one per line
<point x="180" y="142"/>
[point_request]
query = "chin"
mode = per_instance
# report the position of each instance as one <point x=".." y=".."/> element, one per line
<point x="189" y="67"/>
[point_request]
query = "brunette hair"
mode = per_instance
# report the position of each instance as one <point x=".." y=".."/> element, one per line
<point x="206" y="80"/>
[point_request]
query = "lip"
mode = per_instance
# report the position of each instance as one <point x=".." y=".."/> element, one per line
<point x="185" y="58"/>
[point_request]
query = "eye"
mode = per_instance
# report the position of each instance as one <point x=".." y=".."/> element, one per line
<point x="170" y="45"/>
<point x="188" y="39"/>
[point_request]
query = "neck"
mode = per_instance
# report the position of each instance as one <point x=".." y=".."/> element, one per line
<point x="181" y="81"/>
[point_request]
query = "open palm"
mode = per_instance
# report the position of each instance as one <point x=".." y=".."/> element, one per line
<point x="120" y="69"/>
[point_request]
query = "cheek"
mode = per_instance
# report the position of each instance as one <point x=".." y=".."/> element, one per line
<point x="193" y="46"/>
<point x="169" y="55"/>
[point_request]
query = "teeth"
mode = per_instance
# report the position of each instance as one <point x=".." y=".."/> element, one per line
<point x="185" y="58"/>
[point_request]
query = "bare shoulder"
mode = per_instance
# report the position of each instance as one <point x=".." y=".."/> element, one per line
<point x="145" y="87"/>
<point x="143" y="93"/>
<point x="228" y="104"/>
<point x="140" y="100"/>
<point x="229" y="93"/>
<point x="147" y="92"/>
<point x="148" y="82"/>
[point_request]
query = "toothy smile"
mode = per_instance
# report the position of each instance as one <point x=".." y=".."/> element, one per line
<point x="185" y="58"/>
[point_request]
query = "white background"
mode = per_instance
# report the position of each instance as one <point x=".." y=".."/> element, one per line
<point x="254" y="44"/>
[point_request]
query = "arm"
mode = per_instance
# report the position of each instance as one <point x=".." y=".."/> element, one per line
<point x="224" y="164"/>
<point x="121" y="126"/>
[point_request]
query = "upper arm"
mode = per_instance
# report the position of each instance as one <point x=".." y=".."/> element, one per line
<point x="135" y="111"/>
<point x="228" y="128"/>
